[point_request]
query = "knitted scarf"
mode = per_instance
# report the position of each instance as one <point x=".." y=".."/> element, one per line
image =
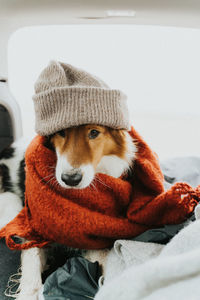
<point x="94" y="217"/>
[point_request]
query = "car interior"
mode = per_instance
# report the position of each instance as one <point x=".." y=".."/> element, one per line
<point x="150" y="50"/>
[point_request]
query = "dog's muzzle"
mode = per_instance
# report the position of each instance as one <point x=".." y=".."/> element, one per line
<point x="72" y="178"/>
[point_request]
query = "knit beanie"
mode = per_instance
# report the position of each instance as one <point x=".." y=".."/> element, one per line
<point x="66" y="96"/>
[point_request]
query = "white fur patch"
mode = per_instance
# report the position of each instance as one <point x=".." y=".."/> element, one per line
<point x="115" y="166"/>
<point x="131" y="149"/>
<point x="63" y="167"/>
<point x="10" y="206"/>
<point x="112" y="165"/>
<point x="88" y="175"/>
<point x="32" y="264"/>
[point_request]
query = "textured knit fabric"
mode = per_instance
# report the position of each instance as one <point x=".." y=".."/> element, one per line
<point x="66" y="96"/>
<point x="94" y="219"/>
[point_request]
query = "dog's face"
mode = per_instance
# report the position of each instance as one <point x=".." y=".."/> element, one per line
<point x="86" y="150"/>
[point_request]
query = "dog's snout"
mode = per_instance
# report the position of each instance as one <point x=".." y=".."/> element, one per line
<point x="72" y="179"/>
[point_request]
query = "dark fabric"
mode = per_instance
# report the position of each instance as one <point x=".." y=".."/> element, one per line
<point x="76" y="280"/>
<point x="9" y="264"/>
<point x="6" y="130"/>
<point x="161" y="235"/>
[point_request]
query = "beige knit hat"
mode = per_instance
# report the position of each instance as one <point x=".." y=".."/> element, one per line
<point x="66" y="96"/>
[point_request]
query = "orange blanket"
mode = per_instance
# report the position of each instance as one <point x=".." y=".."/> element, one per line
<point x="94" y="218"/>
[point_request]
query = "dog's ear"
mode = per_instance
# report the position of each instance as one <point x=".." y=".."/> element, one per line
<point x="48" y="143"/>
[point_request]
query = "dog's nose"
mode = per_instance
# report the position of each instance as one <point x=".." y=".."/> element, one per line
<point x="72" y="179"/>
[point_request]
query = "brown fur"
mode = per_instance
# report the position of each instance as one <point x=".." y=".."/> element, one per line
<point x="82" y="150"/>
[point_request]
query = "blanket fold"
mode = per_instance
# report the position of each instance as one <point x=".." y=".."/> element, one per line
<point x="150" y="271"/>
<point x="94" y="218"/>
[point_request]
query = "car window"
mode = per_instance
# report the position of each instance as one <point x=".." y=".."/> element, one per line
<point x="157" y="67"/>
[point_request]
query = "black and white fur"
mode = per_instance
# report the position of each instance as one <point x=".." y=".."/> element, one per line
<point x="12" y="178"/>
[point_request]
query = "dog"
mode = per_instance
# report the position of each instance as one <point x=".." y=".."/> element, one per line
<point x="82" y="152"/>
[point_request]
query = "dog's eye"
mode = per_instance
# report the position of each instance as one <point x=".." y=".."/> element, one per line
<point x="61" y="133"/>
<point x="93" y="134"/>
